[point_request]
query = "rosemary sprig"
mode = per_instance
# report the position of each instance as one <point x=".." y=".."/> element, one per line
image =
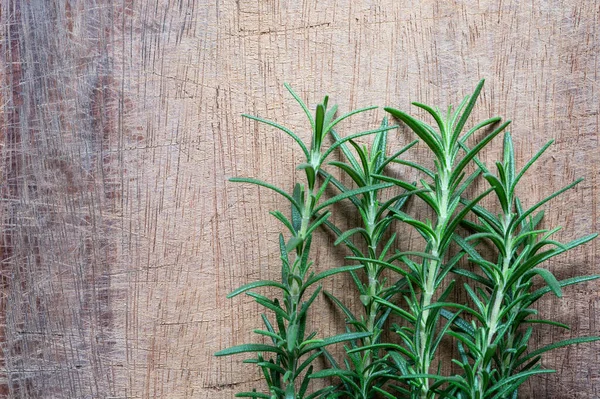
<point x="492" y="332"/>
<point x="494" y="359"/>
<point x="447" y="184"/>
<point x="287" y="374"/>
<point x="367" y="366"/>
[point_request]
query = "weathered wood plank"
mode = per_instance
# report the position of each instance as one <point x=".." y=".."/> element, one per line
<point x="121" y="124"/>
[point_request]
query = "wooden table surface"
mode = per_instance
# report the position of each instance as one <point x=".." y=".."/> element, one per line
<point x="120" y="126"/>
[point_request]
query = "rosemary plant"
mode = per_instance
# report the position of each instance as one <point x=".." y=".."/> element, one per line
<point x="494" y="359"/>
<point x="446" y="185"/>
<point x="366" y="366"/>
<point x="287" y="374"/>
<point x="492" y="332"/>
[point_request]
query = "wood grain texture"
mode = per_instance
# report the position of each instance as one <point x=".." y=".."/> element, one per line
<point x="120" y="125"/>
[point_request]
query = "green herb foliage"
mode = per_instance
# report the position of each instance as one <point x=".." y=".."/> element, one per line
<point x="287" y="374"/>
<point x="367" y="366"/>
<point x="492" y="331"/>
<point x="494" y="358"/>
<point x="445" y="184"/>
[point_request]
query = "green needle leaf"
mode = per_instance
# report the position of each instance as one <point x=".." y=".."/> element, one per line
<point x="316" y="344"/>
<point x="349" y="114"/>
<point x="556" y="345"/>
<point x="283" y="129"/>
<point x="330" y="272"/>
<point x="249" y="348"/>
<point x="550" y="280"/>
<point x="352" y="193"/>
<point x="302" y="104"/>
<point x="257" y="284"/>
<point x="467" y="112"/>
<point x="269" y="186"/>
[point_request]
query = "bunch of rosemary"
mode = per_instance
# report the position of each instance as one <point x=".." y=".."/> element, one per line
<point x="491" y="331"/>
<point x="287" y="374"/>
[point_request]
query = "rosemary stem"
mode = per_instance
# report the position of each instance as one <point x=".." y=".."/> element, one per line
<point x="373" y="307"/>
<point x="295" y="298"/>
<point x="493" y="319"/>
<point x="430" y="279"/>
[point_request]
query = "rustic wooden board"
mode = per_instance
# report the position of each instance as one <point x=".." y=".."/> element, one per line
<point x="121" y="124"/>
